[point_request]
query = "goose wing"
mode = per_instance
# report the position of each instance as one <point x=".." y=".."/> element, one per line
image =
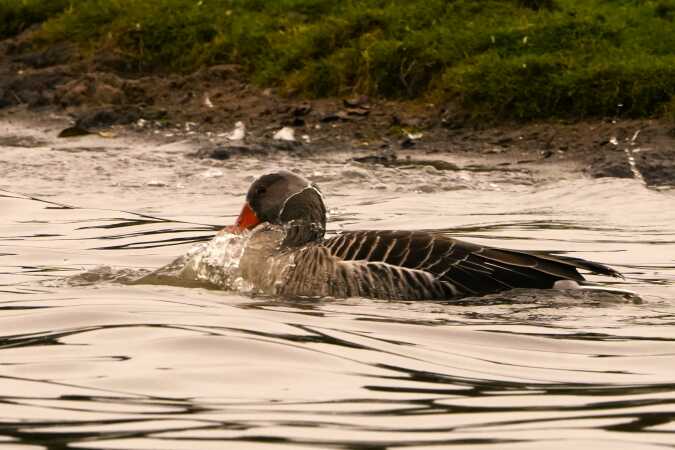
<point x="316" y="272"/>
<point x="461" y="268"/>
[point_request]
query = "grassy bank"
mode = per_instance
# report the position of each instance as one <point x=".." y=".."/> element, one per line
<point x="522" y="59"/>
<point x="18" y="15"/>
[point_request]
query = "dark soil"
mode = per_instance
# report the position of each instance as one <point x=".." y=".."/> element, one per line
<point x="98" y="92"/>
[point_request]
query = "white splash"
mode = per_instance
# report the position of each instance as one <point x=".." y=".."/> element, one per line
<point x="630" y="155"/>
<point x="210" y="264"/>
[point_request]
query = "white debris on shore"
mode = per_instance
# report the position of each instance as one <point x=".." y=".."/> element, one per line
<point x="238" y="133"/>
<point x="207" y="101"/>
<point x="285" y="134"/>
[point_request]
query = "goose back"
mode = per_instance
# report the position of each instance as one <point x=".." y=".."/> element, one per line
<point x="423" y="265"/>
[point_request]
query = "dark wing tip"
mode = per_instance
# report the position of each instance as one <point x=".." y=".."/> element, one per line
<point x="595" y="267"/>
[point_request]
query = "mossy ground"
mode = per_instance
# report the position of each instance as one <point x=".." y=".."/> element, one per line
<point x="518" y="59"/>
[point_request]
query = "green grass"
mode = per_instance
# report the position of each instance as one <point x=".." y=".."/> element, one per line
<point x="17" y="15"/>
<point x="521" y="59"/>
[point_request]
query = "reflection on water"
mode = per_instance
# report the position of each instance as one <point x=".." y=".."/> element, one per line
<point x="88" y="361"/>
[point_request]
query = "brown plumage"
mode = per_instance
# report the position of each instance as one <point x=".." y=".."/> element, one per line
<point x="289" y="255"/>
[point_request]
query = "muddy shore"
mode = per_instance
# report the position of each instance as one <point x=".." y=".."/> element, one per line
<point x="99" y="94"/>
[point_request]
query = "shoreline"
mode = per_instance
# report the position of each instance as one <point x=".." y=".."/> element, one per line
<point x="205" y="107"/>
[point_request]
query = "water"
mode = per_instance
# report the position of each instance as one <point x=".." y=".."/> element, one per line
<point x="87" y="361"/>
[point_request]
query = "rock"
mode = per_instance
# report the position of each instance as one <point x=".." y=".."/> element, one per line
<point x="134" y="92"/>
<point x="91" y="89"/>
<point x="73" y="93"/>
<point x="610" y="164"/>
<point x="493" y="150"/>
<point x="392" y="161"/>
<point x="346" y="115"/>
<point x="219" y="153"/>
<point x="287" y="146"/>
<point x="504" y="142"/>
<point x="44" y="98"/>
<point x="657" y="166"/>
<point x="375" y="159"/>
<point x="21" y="141"/>
<point x="354" y="173"/>
<point x="34" y="88"/>
<point x="154" y="113"/>
<point x="105" y="117"/>
<point x="431" y="170"/>
<point x="74" y="131"/>
<point x="651" y="149"/>
<point x="412" y="122"/>
<point x="106" y="94"/>
<point x="331" y="117"/>
<point x="407" y="142"/>
<point x="51" y="56"/>
<point x="32" y="98"/>
<point x="426" y="188"/>
<point x="302" y="110"/>
<point x="224" y="152"/>
<point x="358" y="112"/>
<point x="110" y="61"/>
<point x="222" y="72"/>
<point x="436" y="163"/>
<point x="357" y="102"/>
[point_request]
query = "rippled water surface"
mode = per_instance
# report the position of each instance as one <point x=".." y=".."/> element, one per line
<point x="87" y="361"/>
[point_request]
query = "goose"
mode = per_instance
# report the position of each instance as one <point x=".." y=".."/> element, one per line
<point x="288" y="254"/>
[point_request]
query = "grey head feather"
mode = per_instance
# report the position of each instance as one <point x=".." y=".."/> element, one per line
<point x="284" y="198"/>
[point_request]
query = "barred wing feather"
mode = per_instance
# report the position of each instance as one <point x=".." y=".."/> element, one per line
<point x="433" y="265"/>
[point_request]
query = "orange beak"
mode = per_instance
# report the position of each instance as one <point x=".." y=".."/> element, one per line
<point x="247" y="220"/>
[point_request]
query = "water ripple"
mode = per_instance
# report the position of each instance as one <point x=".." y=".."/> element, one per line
<point x="92" y="360"/>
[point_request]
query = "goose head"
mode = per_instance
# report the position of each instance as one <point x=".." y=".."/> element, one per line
<point x="286" y="199"/>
